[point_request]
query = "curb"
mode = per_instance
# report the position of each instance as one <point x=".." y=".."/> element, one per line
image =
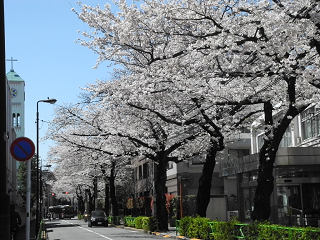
<point x="165" y="235"/>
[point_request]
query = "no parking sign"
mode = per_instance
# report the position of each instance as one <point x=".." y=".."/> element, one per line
<point x="22" y="149"/>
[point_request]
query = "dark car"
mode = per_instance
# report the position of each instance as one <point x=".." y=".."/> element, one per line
<point x="98" y="218"/>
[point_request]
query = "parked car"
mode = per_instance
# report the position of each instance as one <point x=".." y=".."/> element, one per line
<point x="98" y="218"/>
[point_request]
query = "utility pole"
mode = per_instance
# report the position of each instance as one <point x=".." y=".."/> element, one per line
<point x="4" y="197"/>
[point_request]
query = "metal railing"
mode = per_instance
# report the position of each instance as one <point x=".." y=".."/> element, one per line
<point x="42" y="235"/>
<point x="240" y="230"/>
<point x="129" y="221"/>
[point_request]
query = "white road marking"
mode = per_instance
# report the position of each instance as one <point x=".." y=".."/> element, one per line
<point x="89" y="230"/>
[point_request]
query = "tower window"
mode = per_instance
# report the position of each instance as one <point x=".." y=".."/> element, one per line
<point x="14" y="120"/>
<point x="18" y="120"/>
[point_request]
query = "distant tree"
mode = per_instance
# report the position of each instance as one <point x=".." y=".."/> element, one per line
<point x="22" y="179"/>
<point x="84" y="153"/>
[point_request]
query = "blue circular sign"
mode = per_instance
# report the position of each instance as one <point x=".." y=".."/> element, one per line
<point x="22" y="149"/>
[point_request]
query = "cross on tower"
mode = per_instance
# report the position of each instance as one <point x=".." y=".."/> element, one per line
<point x="12" y="63"/>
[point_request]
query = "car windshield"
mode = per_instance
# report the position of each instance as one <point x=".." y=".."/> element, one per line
<point x="98" y="214"/>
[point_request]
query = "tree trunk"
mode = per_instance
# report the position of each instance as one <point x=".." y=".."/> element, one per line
<point x="160" y="186"/>
<point x="81" y="205"/>
<point x="106" y="201"/>
<point x="261" y="201"/>
<point x="267" y="156"/>
<point x="91" y="202"/>
<point x="113" y="198"/>
<point x="203" y="195"/>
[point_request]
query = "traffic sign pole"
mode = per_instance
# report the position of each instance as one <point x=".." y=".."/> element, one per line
<point x="23" y="149"/>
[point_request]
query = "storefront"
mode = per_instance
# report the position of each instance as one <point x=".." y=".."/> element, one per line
<point x="296" y="196"/>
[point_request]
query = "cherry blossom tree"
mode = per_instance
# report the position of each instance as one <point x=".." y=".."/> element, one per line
<point x="227" y="53"/>
<point x="100" y="129"/>
<point x="85" y="154"/>
<point x="156" y="72"/>
<point x="156" y="139"/>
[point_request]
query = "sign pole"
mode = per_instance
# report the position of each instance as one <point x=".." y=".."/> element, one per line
<point x="23" y="149"/>
<point x="28" y="203"/>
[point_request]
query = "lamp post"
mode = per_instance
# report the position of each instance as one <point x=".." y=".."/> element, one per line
<point x="51" y="101"/>
<point x="43" y="186"/>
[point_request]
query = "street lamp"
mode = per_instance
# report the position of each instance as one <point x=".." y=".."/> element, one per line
<point x="51" y="101"/>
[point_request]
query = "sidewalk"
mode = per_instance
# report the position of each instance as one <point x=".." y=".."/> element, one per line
<point x="171" y="233"/>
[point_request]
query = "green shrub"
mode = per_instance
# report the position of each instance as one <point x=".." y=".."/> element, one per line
<point x="264" y="230"/>
<point x="199" y="228"/>
<point x="224" y="230"/>
<point x="149" y="224"/>
<point x="138" y="222"/>
<point x="145" y="223"/>
<point x="80" y="216"/>
<point x="272" y="232"/>
<point x="129" y="221"/>
<point x="309" y="233"/>
<point x="184" y="225"/>
<point x="251" y="231"/>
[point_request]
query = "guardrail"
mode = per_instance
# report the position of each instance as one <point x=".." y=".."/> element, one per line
<point x="238" y="230"/>
<point x="42" y="232"/>
<point x="177" y="226"/>
<point x="129" y="221"/>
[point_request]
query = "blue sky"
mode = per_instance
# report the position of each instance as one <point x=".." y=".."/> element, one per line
<point x="41" y="35"/>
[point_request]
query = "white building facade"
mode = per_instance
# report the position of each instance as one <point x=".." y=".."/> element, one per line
<point x="296" y="196"/>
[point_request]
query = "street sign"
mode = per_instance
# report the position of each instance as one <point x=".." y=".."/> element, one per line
<point x="22" y="149"/>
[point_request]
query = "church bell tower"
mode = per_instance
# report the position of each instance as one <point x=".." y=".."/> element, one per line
<point x="17" y="90"/>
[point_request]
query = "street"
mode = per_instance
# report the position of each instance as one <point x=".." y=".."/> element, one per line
<point x="74" y="229"/>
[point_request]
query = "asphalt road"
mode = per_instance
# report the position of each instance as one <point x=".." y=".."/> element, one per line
<point x="74" y="229"/>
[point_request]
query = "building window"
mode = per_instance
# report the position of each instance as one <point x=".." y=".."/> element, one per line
<point x="14" y="120"/>
<point x="140" y="172"/>
<point x="137" y="173"/>
<point x="260" y="141"/>
<point x="245" y="130"/>
<point x="287" y="138"/>
<point x="145" y="170"/>
<point x="18" y="120"/>
<point x="285" y="142"/>
<point x="310" y="123"/>
<point x="198" y="160"/>
<point x="237" y="153"/>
